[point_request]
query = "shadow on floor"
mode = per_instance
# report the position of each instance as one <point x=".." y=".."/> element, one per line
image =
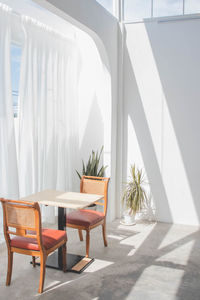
<point x="145" y="261"/>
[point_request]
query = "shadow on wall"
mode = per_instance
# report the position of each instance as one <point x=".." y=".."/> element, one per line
<point x="175" y="47"/>
<point x="93" y="137"/>
<point x="134" y="110"/>
<point x="94" y="99"/>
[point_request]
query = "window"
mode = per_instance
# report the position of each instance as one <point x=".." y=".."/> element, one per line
<point x="192" y="6"/>
<point x="137" y="10"/>
<point x="107" y="4"/>
<point x="167" y="8"/>
<point x="15" y="75"/>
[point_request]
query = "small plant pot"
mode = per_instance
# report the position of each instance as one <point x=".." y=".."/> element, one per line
<point x="128" y="220"/>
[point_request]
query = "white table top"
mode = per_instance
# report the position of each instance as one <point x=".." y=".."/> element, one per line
<point x="63" y="199"/>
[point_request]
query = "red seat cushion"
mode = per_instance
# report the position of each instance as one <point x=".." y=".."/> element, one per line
<point x="84" y="217"/>
<point x="50" y="237"/>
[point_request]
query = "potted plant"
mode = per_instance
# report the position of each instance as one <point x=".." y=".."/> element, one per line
<point x="92" y="166"/>
<point x="134" y="196"/>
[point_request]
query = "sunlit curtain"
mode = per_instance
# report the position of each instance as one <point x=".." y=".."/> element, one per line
<point x="48" y="126"/>
<point x="8" y="162"/>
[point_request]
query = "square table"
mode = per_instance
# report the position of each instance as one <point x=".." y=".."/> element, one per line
<point x="63" y="200"/>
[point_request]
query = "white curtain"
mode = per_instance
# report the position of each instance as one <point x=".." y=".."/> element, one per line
<point x="8" y="160"/>
<point x="48" y="118"/>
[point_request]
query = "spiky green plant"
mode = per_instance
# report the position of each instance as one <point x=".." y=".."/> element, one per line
<point x="134" y="195"/>
<point x="92" y="166"/>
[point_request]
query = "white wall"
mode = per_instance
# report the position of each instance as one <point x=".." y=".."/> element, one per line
<point x="161" y="114"/>
<point x="94" y="101"/>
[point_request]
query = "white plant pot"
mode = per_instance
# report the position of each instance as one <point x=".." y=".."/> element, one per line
<point x="128" y="220"/>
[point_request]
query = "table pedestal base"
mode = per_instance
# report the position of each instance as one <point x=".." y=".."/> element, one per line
<point x="75" y="263"/>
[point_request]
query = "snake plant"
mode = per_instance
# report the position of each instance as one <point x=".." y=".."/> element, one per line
<point x="91" y="168"/>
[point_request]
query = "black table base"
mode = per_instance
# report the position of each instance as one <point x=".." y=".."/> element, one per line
<point x="75" y="263"/>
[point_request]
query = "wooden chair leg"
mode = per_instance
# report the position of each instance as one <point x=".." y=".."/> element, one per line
<point x="33" y="261"/>
<point x="42" y="272"/>
<point x="64" y="254"/>
<point x="80" y="234"/>
<point x="104" y="234"/>
<point x="10" y="264"/>
<point x="87" y="242"/>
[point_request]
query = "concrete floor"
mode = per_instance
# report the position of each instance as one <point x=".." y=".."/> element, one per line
<point x="148" y="261"/>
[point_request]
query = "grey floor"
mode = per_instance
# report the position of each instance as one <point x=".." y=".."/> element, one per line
<point x="146" y="261"/>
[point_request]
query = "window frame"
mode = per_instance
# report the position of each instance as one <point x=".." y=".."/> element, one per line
<point x="183" y="16"/>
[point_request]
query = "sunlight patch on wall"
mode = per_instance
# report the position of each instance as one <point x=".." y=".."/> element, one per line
<point x="161" y="128"/>
<point x="94" y="101"/>
<point x="133" y="151"/>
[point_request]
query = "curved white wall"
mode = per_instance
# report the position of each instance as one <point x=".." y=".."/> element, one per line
<point x="94" y="101"/>
<point x="99" y="86"/>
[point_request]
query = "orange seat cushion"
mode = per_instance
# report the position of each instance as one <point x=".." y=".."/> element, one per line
<point x="50" y="237"/>
<point x="84" y="217"/>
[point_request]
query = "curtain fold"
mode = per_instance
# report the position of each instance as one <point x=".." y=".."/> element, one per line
<point x="8" y="159"/>
<point x="48" y="114"/>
